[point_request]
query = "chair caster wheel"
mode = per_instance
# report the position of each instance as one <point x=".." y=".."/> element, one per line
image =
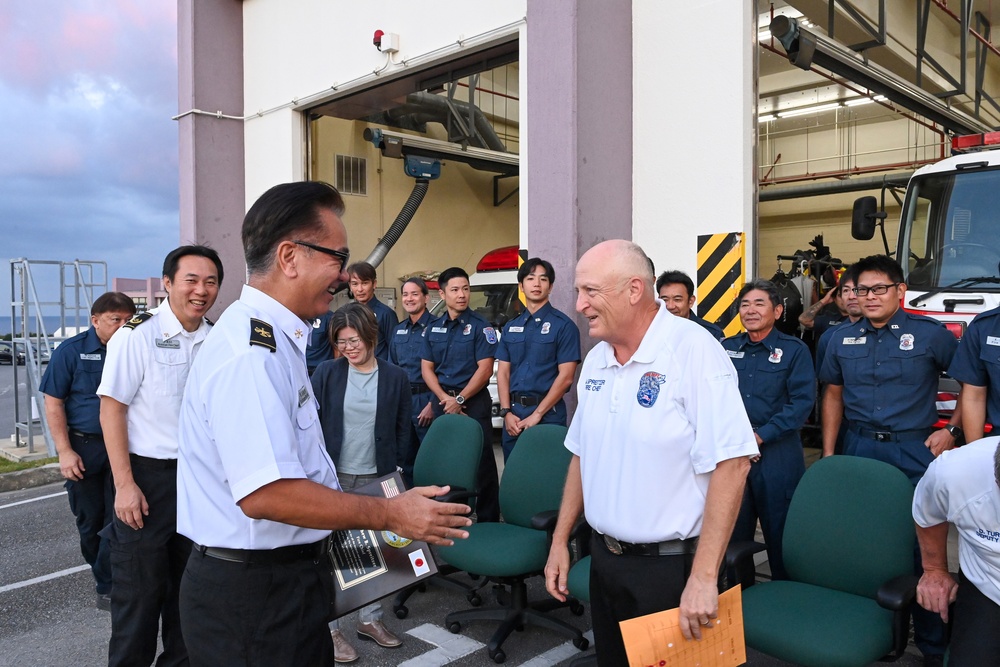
<point x="474" y="599"/>
<point x="581" y="643"/>
<point x="455" y="627"/>
<point x="401" y="612"/>
<point x="576" y="609"/>
<point x="498" y="656"/>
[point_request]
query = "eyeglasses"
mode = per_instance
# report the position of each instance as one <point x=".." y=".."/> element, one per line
<point x="342" y="343"/>
<point x="342" y="256"/>
<point x="877" y="290"/>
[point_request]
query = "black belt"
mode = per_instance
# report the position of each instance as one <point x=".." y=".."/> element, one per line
<point x="667" y="548"/>
<point x="452" y="391"/>
<point x="148" y="462"/>
<point x="866" y="431"/>
<point x="524" y="400"/>
<point x="280" y="556"/>
<point x="81" y="434"/>
<point x="419" y="388"/>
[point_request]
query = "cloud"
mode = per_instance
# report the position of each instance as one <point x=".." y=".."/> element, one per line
<point x="90" y="153"/>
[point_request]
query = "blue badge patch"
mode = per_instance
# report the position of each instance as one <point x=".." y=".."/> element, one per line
<point x="649" y="388"/>
<point x="491" y="335"/>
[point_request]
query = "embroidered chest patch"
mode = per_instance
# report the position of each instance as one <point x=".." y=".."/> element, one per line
<point x="649" y="388"/>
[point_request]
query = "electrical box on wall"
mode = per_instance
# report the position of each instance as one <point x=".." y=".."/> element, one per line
<point x="390" y="43"/>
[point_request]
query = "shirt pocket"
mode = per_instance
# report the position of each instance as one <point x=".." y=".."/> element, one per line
<point x="171" y="369"/>
<point x="910" y="366"/>
<point x="855" y="365"/>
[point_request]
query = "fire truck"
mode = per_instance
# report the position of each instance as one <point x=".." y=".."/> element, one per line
<point x="949" y="238"/>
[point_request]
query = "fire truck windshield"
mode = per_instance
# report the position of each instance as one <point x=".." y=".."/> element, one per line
<point x="951" y="229"/>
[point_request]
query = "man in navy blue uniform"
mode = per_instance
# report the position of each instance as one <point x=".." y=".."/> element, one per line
<point x="977" y="366"/>
<point x="319" y="349"/>
<point x="676" y="290"/>
<point x="73" y="413"/>
<point x="363" y="283"/>
<point x="778" y="387"/>
<point x="406" y="346"/>
<point x="882" y="377"/>
<point x="538" y="355"/>
<point x="457" y="362"/>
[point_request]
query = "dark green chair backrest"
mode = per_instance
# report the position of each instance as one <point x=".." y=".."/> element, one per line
<point x="849" y="525"/>
<point x="449" y="454"/>
<point x="535" y="473"/>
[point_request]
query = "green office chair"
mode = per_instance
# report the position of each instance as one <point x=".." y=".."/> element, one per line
<point x="848" y="547"/>
<point x="578" y="583"/>
<point x="448" y="456"/>
<point x="510" y="552"/>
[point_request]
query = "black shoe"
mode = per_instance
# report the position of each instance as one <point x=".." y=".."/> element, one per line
<point x="934" y="660"/>
<point x="104" y="601"/>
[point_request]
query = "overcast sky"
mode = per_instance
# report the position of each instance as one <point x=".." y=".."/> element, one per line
<point x="89" y="153"/>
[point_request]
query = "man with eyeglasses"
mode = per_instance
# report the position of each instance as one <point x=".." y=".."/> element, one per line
<point x="257" y="491"/>
<point x="363" y="281"/>
<point x="882" y="377"/>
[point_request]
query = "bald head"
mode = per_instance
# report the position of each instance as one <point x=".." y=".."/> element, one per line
<point x="614" y="291"/>
<point x="623" y="261"/>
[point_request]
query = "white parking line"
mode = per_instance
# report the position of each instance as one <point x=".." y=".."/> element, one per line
<point x="450" y="647"/>
<point x="32" y="500"/>
<point x="44" y="577"/>
<point x="556" y="655"/>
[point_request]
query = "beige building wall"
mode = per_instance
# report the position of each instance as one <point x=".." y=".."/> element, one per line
<point x="857" y="144"/>
<point x="455" y="225"/>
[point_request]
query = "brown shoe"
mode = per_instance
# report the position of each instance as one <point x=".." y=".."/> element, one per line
<point x="378" y="633"/>
<point x="342" y="650"/>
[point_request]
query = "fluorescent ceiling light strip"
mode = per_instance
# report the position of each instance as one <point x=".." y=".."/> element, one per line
<point x="807" y="110"/>
<point x="765" y="118"/>
<point x="859" y="101"/>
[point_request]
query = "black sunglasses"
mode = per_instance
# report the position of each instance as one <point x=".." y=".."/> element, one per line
<point x="342" y="256"/>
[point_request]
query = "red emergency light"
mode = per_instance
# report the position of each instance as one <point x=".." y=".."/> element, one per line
<point x="957" y="329"/>
<point x="501" y="259"/>
<point x="970" y="141"/>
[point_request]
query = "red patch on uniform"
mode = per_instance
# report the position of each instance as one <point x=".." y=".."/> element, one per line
<point x="419" y="562"/>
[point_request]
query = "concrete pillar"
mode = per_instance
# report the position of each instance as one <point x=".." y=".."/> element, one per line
<point x="210" y="78"/>
<point x="579" y="138"/>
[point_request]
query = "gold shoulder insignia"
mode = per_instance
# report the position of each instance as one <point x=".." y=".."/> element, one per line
<point x="137" y="320"/>
<point x="262" y="333"/>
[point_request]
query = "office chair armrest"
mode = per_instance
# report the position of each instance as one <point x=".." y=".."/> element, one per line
<point x="545" y="521"/>
<point x="738" y="565"/>
<point x="456" y="495"/>
<point x="897" y="593"/>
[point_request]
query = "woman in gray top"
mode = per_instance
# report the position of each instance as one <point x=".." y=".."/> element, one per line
<point x="364" y="407"/>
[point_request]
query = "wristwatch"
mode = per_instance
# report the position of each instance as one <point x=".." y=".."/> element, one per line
<point x="460" y="399"/>
<point x="504" y="412"/>
<point x="956" y="431"/>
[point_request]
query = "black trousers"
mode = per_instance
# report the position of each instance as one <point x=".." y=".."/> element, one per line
<point x="975" y="641"/>
<point x="623" y="587"/>
<point x="239" y="615"/>
<point x="146" y="569"/>
<point x="488" y="500"/>
<point x="92" y="501"/>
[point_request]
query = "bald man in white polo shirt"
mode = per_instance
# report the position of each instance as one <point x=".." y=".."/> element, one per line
<point x="661" y="447"/>
<point x="962" y="487"/>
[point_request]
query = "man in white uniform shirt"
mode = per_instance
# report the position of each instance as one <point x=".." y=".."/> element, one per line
<point x="257" y="491"/>
<point x="962" y="487"/>
<point x="661" y="447"/>
<point x="141" y="387"/>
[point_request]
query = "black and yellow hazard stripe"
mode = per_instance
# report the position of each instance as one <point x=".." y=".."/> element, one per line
<point x="720" y="276"/>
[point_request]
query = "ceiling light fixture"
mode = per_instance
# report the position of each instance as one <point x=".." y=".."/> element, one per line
<point x="808" y="110"/>
<point x="766" y="118"/>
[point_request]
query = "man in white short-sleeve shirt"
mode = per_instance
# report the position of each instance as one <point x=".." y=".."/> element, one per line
<point x="661" y="447"/>
<point x="141" y="387"/>
<point x="962" y="487"/>
<point x="258" y="493"/>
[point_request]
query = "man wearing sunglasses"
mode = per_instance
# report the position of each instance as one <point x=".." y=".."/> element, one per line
<point x="882" y="378"/>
